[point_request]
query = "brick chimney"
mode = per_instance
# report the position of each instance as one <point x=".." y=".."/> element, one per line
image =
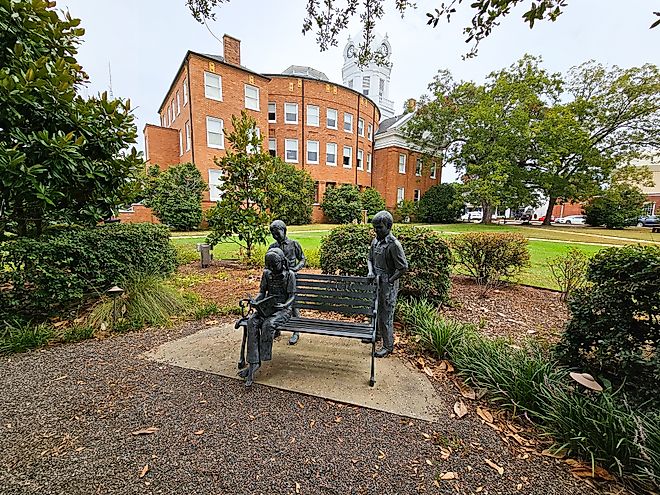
<point x="232" y="49"/>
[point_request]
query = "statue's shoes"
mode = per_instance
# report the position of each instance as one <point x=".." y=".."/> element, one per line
<point x="293" y="340"/>
<point x="381" y="353"/>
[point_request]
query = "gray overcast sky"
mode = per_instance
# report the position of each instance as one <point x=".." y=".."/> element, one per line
<point x="145" y="41"/>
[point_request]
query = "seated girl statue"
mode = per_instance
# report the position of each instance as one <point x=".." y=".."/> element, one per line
<point x="274" y="307"/>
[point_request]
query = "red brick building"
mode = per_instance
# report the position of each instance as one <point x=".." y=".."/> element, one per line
<point x="327" y="129"/>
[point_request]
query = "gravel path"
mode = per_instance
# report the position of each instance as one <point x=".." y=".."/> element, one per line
<point x="67" y="413"/>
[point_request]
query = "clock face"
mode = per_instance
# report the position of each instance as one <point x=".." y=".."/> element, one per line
<point x="384" y="50"/>
<point x="350" y="52"/>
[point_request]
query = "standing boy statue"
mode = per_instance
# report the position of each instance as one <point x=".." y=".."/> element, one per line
<point x="388" y="261"/>
<point x="293" y="253"/>
<point x="278" y="281"/>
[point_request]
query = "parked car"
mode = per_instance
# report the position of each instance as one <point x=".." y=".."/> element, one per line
<point x="472" y="216"/>
<point x="572" y="220"/>
<point x="649" y="221"/>
<point x="552" y="218"/>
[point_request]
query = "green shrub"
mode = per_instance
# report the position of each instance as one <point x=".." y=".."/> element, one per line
<point x="62" y="270"/>
<point x="346" y="249"/>
<point x="185" y="253"/>
<point x="490" y="257"/>
<point x="175" y="195"/>
<point x="342" y="204"/>
<point x="75" y="333"/>
<point x="442" y="203"/>
<point x="405" y="211"/>
<point x="614" y="329"/>
<point x="290" y="193"/>
<point x="617" y="207"/>
<point x="372" y="201"/>
<point x="18" y="336"/>
<point x="569" y="271"/>
<point x="147" y="301"/>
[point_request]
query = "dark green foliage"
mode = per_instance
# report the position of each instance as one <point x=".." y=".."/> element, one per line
<point x="63" y="158"/>
<point x="346" y="249"/>
<point x="372" y="201"/>
<point x="490" y="257"/>
<point x="342" y="204"/>
<point x="175" y="196"/>
<point x="62" y="270"/>
<point x="241" y="216"/>
<point x="442" y="203"/>
<point x="405" y="211"/>
<point x="614" y="331"/>
<point x="618" y="207"/>
<point x="429" y="262"/>
<point x="20" y="337"/>
<point x="290" y="193"/>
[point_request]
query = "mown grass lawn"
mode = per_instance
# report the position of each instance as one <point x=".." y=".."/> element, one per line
<point x="545" y="243"/>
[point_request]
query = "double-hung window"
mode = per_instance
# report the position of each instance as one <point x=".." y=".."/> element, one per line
<point x="290" y="113"/>
<point x="212" y="86"/>
<point x="272" y="112"/>
<point x="360" y="160"/>
<point x="418" y="195"/>
<point x="313" y="152"/>
<point x="215" y="181"/>
<point x="215" y="137"/>
<point x="185" y="91"/>
<point x="331" y="154"/>
<point x="400" y="195"/>
<point x="187" y="135"/>
<point x="370" y="132"/>
<point x="180" y="143"/>
<point x="313" y="115"/>
<point x="369" y="162"/>
<point x="418" y="167"/>
<point x="348" y="122"/>
<point x="348" y="157"/>
<point x="251" y="97"/>
<point x="291" y="150"/>
<point x="331" y="116"/>
<point x="272" y="147"/>
<point x="433" y="170"/>
<point x="402" y="163"/>
<point x="178" y="103"/>
<point x="361" y="127"/>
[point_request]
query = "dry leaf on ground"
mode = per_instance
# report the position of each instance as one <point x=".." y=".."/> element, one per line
<point x="497" y="468"/>
<point x="584" y="471"/>
<point x="465" y="391"/>
<point x="199" y="432"/>
<point x="484" y="414"/>
<point x="146" y="431"/>
<point x="460" y="409"/>
<point x="449" y="476"/>
<point x="144" y="471"/>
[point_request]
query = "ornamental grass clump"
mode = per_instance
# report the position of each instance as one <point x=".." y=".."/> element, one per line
<point x="19" y="336"/>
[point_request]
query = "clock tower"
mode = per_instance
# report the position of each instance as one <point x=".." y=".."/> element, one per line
<point x="371" y="80"/>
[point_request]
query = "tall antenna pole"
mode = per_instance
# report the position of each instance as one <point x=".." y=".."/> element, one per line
<point x="110" y="75"/>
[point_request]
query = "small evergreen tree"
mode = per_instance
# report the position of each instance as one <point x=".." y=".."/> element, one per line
<point x="442" y="203"/>
<point x="175" y="195"/>
<point x="241" y="215"/>
<point x="372" y="201"/>
<point x="342" y="204"/>
<point x="290" y="193"/>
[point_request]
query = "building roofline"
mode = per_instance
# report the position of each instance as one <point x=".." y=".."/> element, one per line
<point x="271" y="76"/>
<point x="215" y="60"/>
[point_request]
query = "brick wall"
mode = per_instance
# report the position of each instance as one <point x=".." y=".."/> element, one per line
<point x="566" y="209"/>
<point x="139" y="214"/>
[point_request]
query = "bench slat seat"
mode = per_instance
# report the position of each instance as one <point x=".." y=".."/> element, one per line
<point x="329" y="327"/>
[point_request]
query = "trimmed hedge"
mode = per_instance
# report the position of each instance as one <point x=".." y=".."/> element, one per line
<point x="60" y="271"/>
<point x="346" y="248"/>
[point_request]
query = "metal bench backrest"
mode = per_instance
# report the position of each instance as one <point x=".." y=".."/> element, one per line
<point x="340" y="294"/>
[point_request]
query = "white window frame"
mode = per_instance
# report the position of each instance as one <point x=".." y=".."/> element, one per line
<point x="178" y="102"/>
<point x="417" y="195"/>
<point x="250" y="99"/>
<point x="288" y="142"/>
<point x="331" y="164"/>
<point x="370" y="132"/>
<point x="327" y="118"/>
<point x="418" y="168"/>
<point x="350" y="156"/>
<point x="185" y="91"/>
<point x="317" y="144"/>
<point x="350" y="122"/>
<point x="207" y="77"/>
<point x="309" y="115"/>
<point x="286" y="112"/>
<point x="187" y="126"/>
<point x="369" y="162"/>
<point x="173" y="107"/>
<point x="402" y="163"/>
<point x="400" y="193"/>
<point x="366" y="85"/>
<point x="180" y="143"/>
<point x="434" y="168"/>
<point x="361" y="127"/>
<point x="213" y="120"/>
<point x="214" y="193"/>
<point x="360" y="159"/>
<point x="272" y="148"/>
<point x="274" y="105"/>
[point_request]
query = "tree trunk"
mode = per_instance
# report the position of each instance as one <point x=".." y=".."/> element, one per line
<point x="486" y="214"/>
<point x="548" y="213"/>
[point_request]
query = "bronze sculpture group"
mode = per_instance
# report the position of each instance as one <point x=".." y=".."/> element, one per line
<point x="274" y="305"/>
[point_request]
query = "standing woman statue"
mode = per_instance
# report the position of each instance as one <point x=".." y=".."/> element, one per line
<point x="387" y="261"/>
<point x="293" y="253"/>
